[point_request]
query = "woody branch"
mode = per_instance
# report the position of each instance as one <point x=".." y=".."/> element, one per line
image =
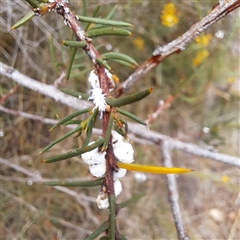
<point x="70" y="19"/>
<point x="139" y="131"/>
<point x="178" y="45"/>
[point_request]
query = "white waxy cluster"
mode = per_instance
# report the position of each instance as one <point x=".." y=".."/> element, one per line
<point x="93" y="79"/>
<point x="102" y="198"/>
<point x="98" y="98"/>
<point x="96" y="161"/>
<point x="123" y="150"/>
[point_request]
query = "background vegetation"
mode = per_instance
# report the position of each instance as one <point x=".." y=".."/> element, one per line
<point x="206" y="113"/>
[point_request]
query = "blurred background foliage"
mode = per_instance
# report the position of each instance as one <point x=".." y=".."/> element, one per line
<point x="204" y="79"/>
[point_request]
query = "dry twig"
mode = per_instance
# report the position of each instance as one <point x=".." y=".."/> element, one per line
<point x="10" y="93"/>
<point x="185" y="147"/>
<point x="81" y="198"/>
<point x="36" y="86"/>
<point x="173" y="192"/>
<point x="179" y="44"/>
<point x="28" y="116"/>
<point x="162" y="105"/>
<point x="138" y="130"/>
<point x="36" y="210"/>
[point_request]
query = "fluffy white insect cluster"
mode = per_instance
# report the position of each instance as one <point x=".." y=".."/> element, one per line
<point x="96" y="161"/>
<point x="98" y="98"/>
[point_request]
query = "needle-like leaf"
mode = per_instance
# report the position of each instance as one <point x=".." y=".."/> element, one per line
<point x="77" y="129"/>
<point x="98" y="231"/>
<point x="89" y="127"/>
<point x="130" y="115"/>
<point x="118" y="102"/>
<point x="152" y="169"/>
<point x="72" y="56"/>
<point x="119" y="56"/>
<point x="92" y="183"/>
<point x="74" y="153"/>
<point x="22" y="21"/>
<point x="104" y="21"/>
<point x="108" y="133"/>
<point x="69" y="117"/>
<point x="74" y="44"/>
<point x="108" y="32"/>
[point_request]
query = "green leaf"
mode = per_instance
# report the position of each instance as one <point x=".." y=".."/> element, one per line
<point x="119" y="56"/>
<point x="71" y="116"/>
<point x="53" y="54"/>
<point x="93" y="183"/>
<point x="126" y="128"/>
<point x="94" y="14"/>
<point x="77" y="129"/>
<point x="112" y="12"/>
<point x="98" y="231"/>
<point x="73" y="93"/>
<point x="72" y="122"/>
<point x="132" y="200"/>
<point x="108" y="31"/>
<point x="130" y="115"/>
<point x="75" y="44"/>
<point x="108" y="17"/>
<point x="119" y="130"/>
<point x="103" y="21"/>
<point x="89" y="127"/>
<point x="22" y="21"/>
<point x="103" y="63"/>
<point x="112" y="216"/>
<point x="72" y="56"/>
<point x="118" y="102"/>
<point x="124" y="63"/>
<point x="108" y="133"/>
<point x="74" y="153"/>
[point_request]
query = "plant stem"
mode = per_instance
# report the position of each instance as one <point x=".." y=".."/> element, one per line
<point x="112" y="218"/>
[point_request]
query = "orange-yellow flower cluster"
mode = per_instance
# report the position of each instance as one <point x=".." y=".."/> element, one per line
<point x="225" y="179"/>
<point x="169" y="15"/>
<point x="202" y="55"/>
<point x="139" y="43"/>
<point x="203" y="40"/>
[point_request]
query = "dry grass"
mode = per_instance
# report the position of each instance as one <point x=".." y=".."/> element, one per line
<point x="209" y="197"/>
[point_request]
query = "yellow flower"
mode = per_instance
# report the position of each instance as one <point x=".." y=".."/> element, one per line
<point x="168" y="15"/>
<point x="203" y="40"/>
<point x="231" y="80"/>
<point x="200" y="57"/>
<point x="139" y="43"/>
<point x="225" y="179"/>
